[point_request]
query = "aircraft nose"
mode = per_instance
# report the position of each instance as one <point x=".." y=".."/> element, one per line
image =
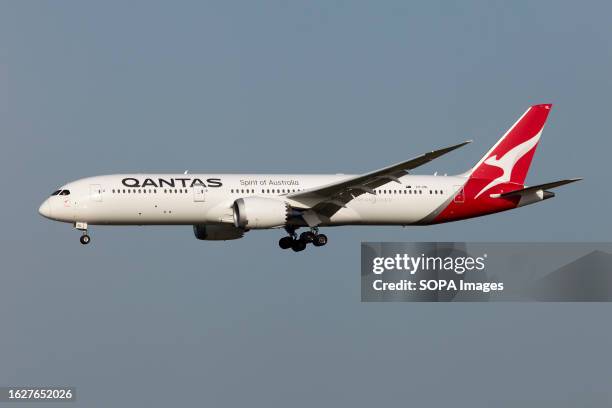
<point x="45" y="209"/>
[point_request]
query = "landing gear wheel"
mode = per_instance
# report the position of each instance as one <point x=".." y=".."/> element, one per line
<point x="307" y="236"/>
<point x="320" y="240"/>
<point x="298" y="245"/>
<point x="85" y="239"/>
<point x="285" y="242"/>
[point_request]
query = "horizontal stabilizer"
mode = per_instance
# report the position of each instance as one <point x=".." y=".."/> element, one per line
<point x="533" y="189"/>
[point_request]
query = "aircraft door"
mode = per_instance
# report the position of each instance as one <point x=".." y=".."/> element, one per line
<point x="95" y="192"/>
<point x="459" y="195"/>
<point x="199" y="193"/>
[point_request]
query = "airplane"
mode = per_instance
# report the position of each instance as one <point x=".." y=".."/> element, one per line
<point x="226" y="206"/>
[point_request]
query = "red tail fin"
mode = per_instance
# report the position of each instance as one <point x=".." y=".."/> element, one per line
<point x="504" y="168"/>
<point x="509" y="159"/>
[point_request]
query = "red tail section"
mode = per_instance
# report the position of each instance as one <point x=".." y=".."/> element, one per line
<point x="509" y="160"/>
<point x="503" y="168"/>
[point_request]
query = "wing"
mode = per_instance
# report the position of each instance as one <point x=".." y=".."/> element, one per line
<point x="328" y="199"/>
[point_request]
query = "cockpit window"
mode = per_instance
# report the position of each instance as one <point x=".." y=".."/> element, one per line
<point x="56" y="192"/>
<point x="64" y="192"/>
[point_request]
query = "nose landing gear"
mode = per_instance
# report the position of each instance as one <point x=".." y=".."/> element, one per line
<point x="82" y="226"/>
<point x="299" y="244"/>
<point x="85" y="239"/>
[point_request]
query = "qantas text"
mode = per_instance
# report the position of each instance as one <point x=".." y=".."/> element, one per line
<point x="171" y="182"/>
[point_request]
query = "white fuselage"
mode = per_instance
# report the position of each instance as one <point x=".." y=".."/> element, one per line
<point x="154" y="199"/>
<point x="225" y="206"/>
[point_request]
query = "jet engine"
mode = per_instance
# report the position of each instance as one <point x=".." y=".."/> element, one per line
<point x="260" y="213"/>
<point x="217" y="232"/>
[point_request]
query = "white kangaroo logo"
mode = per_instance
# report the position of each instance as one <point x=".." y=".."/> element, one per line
<point x="508" y="161"/>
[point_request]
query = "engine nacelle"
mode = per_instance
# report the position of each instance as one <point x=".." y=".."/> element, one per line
<point x="217" y="232"/>
<point x="259" y="213"/>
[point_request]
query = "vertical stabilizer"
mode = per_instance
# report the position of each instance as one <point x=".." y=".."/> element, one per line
<point x="509" y="159"/>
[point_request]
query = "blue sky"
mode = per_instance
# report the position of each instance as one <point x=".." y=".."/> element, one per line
<point x="92" y="88"/>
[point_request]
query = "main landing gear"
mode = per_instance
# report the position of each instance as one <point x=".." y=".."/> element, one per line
<point x="299" y="244"/>
<point x="82" y="226"/>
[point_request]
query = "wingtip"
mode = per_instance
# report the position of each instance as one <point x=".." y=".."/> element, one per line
<point x="462" y="143"/>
